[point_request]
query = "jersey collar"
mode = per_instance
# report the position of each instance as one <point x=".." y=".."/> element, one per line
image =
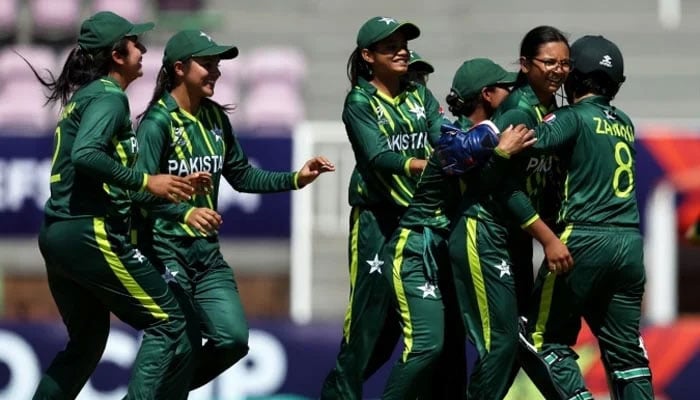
<point x="170" y="103"/>
<point x="372" y="91"/>
<point x="601" y="100"/>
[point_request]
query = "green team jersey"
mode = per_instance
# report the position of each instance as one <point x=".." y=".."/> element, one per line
<point x="176" y="142"/>
<point x="94" y="150"/>
<point x="537" y="175"/>
<point x="437" y="195"/>
<point x="595" y="143"/>
<point x="531" y="177"/>
<point x="385" y="134"/>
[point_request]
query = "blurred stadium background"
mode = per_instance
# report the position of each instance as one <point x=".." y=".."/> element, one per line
<point x="288" y="251"/>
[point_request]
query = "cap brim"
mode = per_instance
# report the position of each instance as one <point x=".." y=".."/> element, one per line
<point x="409" y="29"/>
<point x="224" y="52"/>
<point x="140" y="28"/>
<point x="423" y="66"/>
<point x="509" y="78"/>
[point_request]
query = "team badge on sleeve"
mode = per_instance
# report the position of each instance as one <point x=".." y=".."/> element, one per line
<point x="549" y="118"/>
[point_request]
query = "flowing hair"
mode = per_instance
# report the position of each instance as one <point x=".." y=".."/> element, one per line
<point x="80" y="68"/>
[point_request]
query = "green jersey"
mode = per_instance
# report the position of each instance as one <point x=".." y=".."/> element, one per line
<point x="439" y="197"/>
<point x="94" y="150"/>
<point x="434" y="200"/>
<point x="386" y="133"/>
<point x="595" y="143"/>
<point x="176" y="142"/>
<point x="537" y="175"/>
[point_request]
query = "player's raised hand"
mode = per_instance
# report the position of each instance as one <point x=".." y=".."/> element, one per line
<point x="204" y="220"/>
<point x="312" y="169"/>
<point x="515" y="139"/>
<point x="171" y="187"/>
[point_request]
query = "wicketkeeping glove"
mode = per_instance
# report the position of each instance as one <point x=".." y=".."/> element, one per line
<point x="461" y="151"/>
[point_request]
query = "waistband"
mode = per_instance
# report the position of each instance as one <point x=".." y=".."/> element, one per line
<point x="605" y="228"/>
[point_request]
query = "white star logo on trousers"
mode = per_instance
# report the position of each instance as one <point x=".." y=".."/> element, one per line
<point x="428" y="289"/>
<point x="504" y="268"/>
<point x="375" y="265"/>
<point x="169" y="276"/>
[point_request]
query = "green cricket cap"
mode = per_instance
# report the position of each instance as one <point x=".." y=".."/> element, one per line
<point x="418" y="63"/>
<point x="379" y="28"/>
<point x="106" y="28"/>
<point x="478" y="73"/>
<point x="193" y="43"/>
<point x="596" y="53"/>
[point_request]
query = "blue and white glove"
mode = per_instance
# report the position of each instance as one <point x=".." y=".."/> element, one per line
<point x="461" y="151"/>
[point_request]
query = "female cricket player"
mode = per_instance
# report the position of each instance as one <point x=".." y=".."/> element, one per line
<point x="392" y="125"/>
<point x="426" y="289"/>
<point x="183" y="130"/>
<point x="595" y="142"/>
<point x="480" y="241"/>
<point x="91" y="266"/>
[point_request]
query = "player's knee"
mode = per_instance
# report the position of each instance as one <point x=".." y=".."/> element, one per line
<point x="232" y="347"/>
<point x="90" y="342"/>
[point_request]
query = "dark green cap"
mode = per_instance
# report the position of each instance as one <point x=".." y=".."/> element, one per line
<point x="596" y="53"/>
<point x="418" y="63"/>
<point x="106" y="28"/>
<point x="379" y="28"/>
<point x="478" y="73"/>
<point x="193" y="43"/>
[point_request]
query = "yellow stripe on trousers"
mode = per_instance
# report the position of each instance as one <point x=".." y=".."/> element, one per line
<point x="478" y="282"/>
<point x="546" y="298"/>
<point x="354" y="255"/>
<point x="133" y="287"/>
<point x="401" y="294"/>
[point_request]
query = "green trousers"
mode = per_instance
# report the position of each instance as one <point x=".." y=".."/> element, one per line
<point x="370" y="329"/>
<point x="92" y="270"/>
<point x="425" y="370"/>
<point x="487" y="298"/>
<point x="210" y="286"/>
<point x="605" y="287"/>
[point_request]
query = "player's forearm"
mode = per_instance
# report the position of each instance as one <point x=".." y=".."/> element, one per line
<point x="395" y="163"/>
<point x="541" y="232"/>
<point x="99" y="165"/>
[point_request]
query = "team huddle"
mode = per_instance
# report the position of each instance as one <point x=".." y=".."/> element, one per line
<point x="441" y="234"/>
<point x="442" y="222"/>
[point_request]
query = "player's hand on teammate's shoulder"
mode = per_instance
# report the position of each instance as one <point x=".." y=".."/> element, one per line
<point x="515" y="139"/>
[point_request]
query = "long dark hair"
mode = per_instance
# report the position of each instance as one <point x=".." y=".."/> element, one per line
<point x="80" y="68"/>
<point x="165" y="82"/>
<point x="536" y="37"/>
<point x="358" y="67"/>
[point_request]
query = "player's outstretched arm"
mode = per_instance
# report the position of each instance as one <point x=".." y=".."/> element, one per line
<point x="312" y="169"/>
